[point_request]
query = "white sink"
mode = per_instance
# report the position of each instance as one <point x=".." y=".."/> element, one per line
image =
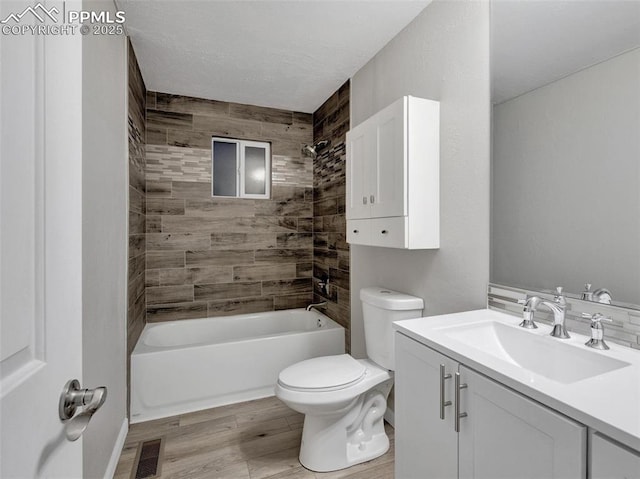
<point x="543" y="355"/>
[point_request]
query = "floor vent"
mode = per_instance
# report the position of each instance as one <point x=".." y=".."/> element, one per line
<point x="148" y="460"/>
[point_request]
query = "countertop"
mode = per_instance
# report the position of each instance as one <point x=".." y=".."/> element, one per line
<point x="608" y="403"/>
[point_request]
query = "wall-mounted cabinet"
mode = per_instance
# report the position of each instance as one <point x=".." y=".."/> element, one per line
<point x="393" y="180"/>
<point x="452" y="422"/>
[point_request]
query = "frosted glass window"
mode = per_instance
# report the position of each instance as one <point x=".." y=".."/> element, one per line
<point x="255" y="170"/>
<point x="225" y="169"/>
<point x="241" y="168"/>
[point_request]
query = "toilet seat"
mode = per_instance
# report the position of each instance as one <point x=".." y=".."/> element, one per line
<point x="327" y="373"/>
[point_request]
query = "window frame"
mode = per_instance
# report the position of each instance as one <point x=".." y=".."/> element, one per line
<point x="241" y="145"/>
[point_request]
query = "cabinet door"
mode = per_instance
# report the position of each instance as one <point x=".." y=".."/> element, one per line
<point x="388" y="196"/>
<point x="506" y="435"/>
<point x="360" y="145"/>
<point x="426" y="446"/>
<point x="612" y="461"/>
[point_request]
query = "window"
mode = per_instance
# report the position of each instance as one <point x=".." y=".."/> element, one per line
<point x="241" y="169"/>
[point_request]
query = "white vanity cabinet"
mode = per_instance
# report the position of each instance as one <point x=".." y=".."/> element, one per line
<point x="610" y="460"/>
<point x="393" y="181"/>
<point x="503" y="435"/>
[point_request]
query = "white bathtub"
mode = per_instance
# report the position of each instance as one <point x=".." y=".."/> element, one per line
<point x="187" y="365"/>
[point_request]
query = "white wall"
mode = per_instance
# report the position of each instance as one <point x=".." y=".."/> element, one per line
<point x="566" y="197"/>
<point x="442" y="55"/>
<point x="104" y="237"/>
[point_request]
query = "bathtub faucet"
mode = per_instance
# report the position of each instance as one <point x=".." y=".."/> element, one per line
<point x="322" y="305"/>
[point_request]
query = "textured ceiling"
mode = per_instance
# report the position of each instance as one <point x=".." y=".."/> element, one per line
<point x="284" y="54"/>
<point x="537" y="42"/>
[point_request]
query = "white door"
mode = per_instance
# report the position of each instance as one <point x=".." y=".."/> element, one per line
<point x="40" y="248"/>
<point x="360" y="150"/>
<point x="506" y="435"/>
<point x="426" y="445"/>
<point x="388" y="196"/>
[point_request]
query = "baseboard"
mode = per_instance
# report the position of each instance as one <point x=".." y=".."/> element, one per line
<point x="117" y="449"/>
<point x="390" y="417"/>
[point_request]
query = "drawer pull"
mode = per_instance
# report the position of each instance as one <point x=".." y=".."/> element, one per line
<point x="355" y="231"/>
<point x="384" y="232"/>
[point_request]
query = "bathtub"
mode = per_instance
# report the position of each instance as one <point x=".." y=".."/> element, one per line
<point x="188" y="365"/>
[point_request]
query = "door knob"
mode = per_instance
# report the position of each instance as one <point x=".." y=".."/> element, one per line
<point x="74" y="397"/>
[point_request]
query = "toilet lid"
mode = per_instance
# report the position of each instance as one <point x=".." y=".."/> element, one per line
<point x="327" y="372"/>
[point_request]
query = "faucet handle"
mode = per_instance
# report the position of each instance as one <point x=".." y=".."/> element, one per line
<point x="559" y="297"/>
<point x="597" y="317"/>
<point x="597" y="331"/>
<point x="527" y="313"/>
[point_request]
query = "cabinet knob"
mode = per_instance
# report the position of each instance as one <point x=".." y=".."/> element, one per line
<point x="372" y="199"/>
<point x="364" y="200"/>
<point x="384" y="232"/>
<point x="356" y="231"/>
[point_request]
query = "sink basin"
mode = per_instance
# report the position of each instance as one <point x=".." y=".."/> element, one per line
<point x="543" y="355"/>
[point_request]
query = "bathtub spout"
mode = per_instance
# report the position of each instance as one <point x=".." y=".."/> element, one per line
<point x="322" y="305"/>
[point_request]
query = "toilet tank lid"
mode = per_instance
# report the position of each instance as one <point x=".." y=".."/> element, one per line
<point x="388" y="299"/>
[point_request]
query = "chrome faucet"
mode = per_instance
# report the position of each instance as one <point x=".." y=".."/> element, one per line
<point x="557" y="307"/>
<point x="600" y="295"/>
<point x="322" y="304"/>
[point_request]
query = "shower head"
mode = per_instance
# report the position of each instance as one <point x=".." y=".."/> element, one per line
<point x="311" y="151"/>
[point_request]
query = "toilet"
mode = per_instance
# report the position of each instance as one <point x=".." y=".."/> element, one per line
<point x="344" y="399"/>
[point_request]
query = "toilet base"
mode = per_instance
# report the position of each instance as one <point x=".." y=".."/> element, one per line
<point x="331" y="442"/>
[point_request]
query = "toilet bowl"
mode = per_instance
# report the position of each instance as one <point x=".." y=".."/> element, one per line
<point x="344" y="399"/>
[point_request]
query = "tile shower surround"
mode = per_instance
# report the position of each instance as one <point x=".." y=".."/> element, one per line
<point x="136" y="270"/>
<point x="219" y="256"/>
<point x="330" y="247"/>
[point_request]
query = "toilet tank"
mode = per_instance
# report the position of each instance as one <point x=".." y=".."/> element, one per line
<point x="380" y="308"/>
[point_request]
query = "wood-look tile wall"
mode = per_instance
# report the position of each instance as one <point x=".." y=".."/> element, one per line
<point x="331" y="250"/>
<point x="136" y="271"/>
<point x="216" y="256"/>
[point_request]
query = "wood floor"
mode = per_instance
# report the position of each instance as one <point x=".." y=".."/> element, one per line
<point x="251" y="440"/>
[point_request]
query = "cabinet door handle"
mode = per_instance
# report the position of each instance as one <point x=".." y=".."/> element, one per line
<point x="443" y="376"/>
<point x="364" y="200"/>
<point x="384" y="232"/>
<point x="355" y="231"/>
<point x="457" y="413"/>
<point x="372" y="198"/>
